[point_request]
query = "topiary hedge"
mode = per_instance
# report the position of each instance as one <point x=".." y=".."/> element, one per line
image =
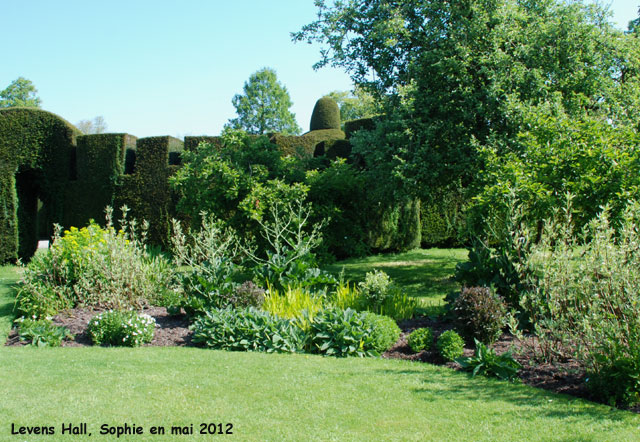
<point x="146" y="192"/>
<point x="305" y="145"/>
<point x="36" y="153"/>
<point x="326" y="115"/>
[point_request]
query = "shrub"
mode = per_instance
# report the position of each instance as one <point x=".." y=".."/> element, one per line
<point x="208" y="255"/>
<point x="420" y="339"/>
<point x="383" y="330"/>
<point x="584" y="301"/>
<point x="375" y="287"/>
<point x="41" y="332"/>
<point x="121" y="328"/>
<point x="336" y="332"/>
<point x="247" y="329"/>
<point x="325" y="115"/>
<point x="289" y="260"/>
<point x="480" y="314"/>
<point x="450" y="345"/>
<point x="96" y="267"/>
<point x="485" y="361"/>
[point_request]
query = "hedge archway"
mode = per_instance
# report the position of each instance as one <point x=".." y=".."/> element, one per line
<point x="37" y="158"/>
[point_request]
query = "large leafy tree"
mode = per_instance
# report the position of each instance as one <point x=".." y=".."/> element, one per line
<point x="20" y="93"/>
<point x="355" y="104"/>
<point x="457" y="76"/>
<point x="264" y="106"/>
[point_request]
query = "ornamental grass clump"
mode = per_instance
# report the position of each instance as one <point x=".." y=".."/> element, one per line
<point x="121" y="328"/>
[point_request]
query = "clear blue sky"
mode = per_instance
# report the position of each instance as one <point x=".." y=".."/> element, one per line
<point x="167" y="67"/>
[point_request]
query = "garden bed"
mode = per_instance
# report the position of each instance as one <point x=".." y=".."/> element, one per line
<point x="565" y="377"/>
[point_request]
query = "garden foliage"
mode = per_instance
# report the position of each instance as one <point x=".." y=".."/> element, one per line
<point x="95" y="267"/>
<point x="485" y="361"/>
<point x="420" y="339"/>
<point x="125" y="328"/>
<point x="480" y="314"/>
<point x="450" y="345"/>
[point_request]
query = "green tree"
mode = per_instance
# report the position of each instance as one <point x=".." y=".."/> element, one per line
<point x="355" y="104"/>
<point x="456" y="76"/>
<point x="20" y="93"/>
<point x="264" y="106"/>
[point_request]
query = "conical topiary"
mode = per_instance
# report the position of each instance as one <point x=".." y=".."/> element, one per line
<point x="326" y="115"/>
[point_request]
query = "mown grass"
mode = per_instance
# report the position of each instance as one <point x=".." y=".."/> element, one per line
<point x="285" y="397"/>
<point x="279" y="397"/>
<point x="9" y="275"/>
<point x="425" y="274"/>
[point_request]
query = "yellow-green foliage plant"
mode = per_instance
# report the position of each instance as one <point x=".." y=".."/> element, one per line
<point x="292" y="302"/>
<point x="396" y="304"/>
<point x="95" y="267"/>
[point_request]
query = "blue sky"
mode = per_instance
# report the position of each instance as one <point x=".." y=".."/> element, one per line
<point x="167" y="67"/>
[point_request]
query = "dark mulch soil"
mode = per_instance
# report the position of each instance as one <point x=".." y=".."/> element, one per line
<point x="561" y="377"/>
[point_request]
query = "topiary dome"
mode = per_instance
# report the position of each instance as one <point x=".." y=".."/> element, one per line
<point x="326" y="115"/>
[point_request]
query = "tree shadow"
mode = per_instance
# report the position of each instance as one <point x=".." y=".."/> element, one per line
<point x="456" y="385"/>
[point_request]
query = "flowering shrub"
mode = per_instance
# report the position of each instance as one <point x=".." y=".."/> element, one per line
<point x="97" y="267"/>
<point x="121" y="328"/>
<point x="375" y="287"/>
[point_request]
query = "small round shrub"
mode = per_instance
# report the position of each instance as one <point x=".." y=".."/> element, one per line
<point x="450" y="345"/>
<point x="480" y="314"/>
<point x="326" y="115"/>
<point x="384" y="331"/>
<point x="420" y="339"/>
<point x="121" y="328"/>
<point x="376" y="287"/>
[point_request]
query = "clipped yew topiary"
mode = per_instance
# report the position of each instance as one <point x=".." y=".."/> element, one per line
<point x="326" y="115"/>
<point x="37" y="149"/>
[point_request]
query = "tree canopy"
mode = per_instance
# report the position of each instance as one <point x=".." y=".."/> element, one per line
<point x="457" y="76"/>
<point x="20" y="93"/>
<point x="355" y="104"/>
<point x="264" y="106"/>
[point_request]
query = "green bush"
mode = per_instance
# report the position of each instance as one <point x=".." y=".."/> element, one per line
<point x="420" y="339"/>
<point x="583" y="301"/>
<point x="376" y="287"/>
<point x="41" y="332"/>
<point x="384" y="331"/>
<point x="326" y="115"/>
<point x="121" y="328"/>
<point x="450" y="345"/>
<point x="247" y="329"/>
<point x="486" y="362"/>
<point x="480" y="314"/>
<point x="336" y="332"/>
<point x="95" y="267"/>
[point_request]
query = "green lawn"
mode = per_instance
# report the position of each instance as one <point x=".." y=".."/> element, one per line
<point x="8" y="277"/>
<point x="425" y="274"/>
<point x="281" y="397"/>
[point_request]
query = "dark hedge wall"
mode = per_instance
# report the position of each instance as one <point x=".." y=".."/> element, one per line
<point x="36" y="155"/>
<point x="101" y="161"/>
<point x="146" y="192"/>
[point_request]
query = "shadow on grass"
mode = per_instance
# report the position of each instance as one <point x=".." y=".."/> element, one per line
<point x="460" y="386"/>
<point x="425" y="274"/>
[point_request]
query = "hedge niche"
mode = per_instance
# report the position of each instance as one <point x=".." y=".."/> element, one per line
<point x="146" y="192"/>
<point x="37" y="151"/>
